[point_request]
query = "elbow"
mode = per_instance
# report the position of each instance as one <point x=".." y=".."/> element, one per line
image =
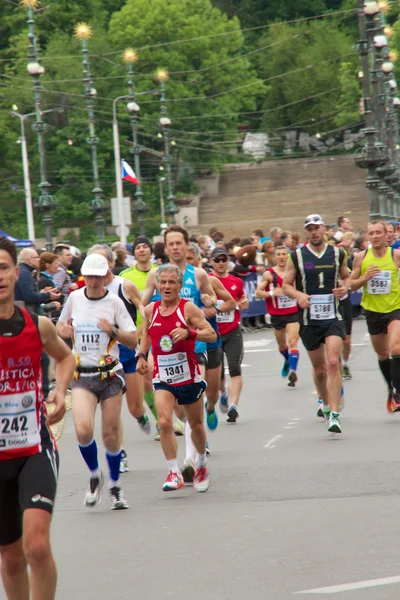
<point x="213" y="336"/>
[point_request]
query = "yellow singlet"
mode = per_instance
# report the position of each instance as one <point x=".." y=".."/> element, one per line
<point x="381" y="293"/>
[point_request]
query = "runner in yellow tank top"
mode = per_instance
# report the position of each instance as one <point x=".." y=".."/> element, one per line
<point x="377" y="271"/>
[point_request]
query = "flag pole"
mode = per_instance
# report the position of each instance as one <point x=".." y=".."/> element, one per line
<point x="118" y="177"/>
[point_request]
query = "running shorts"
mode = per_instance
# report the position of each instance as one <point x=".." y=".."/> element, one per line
<point x="202" y="358"/>
<point x="280" y="322"/>
<point x="129" y="365"/>
<point x="346" y="310"/>
<point x="214" y="358"/>
<point x="378" y="322"/>
<point x="313" y="336"/>
<point x="102" y="388"/>
<point x="185" y="394"/>
<point x="232" y="345"/>
<point x="26" y="483"/>
<point x="127" y="358"/>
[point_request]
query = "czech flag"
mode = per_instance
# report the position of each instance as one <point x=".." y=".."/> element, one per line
<point x="128" y="174"/>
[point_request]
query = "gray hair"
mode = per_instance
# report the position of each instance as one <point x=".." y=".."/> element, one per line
<point x="169" y="269"/>
<point x="195" y="249"/>
<point x="110" y="255"/>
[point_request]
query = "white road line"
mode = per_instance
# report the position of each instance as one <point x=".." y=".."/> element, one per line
<point x="258" y="350"/>
<point x="348" y="587"/>
<point x="365" y="344"/>
<point x="256" y="343"/>
<point x="271" y="442"/>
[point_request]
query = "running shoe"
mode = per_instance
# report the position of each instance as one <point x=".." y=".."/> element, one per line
<point x="394" y="403"/>
<point x="285" y="369"/>
<point x="202" y="479"/>
<point x="341" y="402"/>
<point x="173" y="482"/>
<point x="188" y="471"/>
<point x="118" y="501"/>
<point x="144" y="424"/>
<point x="346" y="374"/>
<point x="179" y="428"/>
<point x="292" y="379"/>
<point x="334" y="423"/>
<point x="157" y="436"/>
<point x="208" y="451"/>
<point x="320" y="412"/>
<point x="212" y="419"/>
<point x="223" y="402"/>
<point x="232" y="414"/>
<point x="93" y="494"/>
<point x="123" y="465"/>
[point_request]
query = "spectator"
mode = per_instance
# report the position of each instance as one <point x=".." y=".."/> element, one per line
<point x="286" y="240"/>
<point x="120" y="261"/>
<point x="275" y="233"/>
<point x="391" y="236"/>
<point x="160" y="256"/>
<point x="62" y="278"/>
<point x="344" y="225"/>
<point x="26" y="288"/>
<point x="296" y="241"/>
<point x="268" y="253"/>
<point x="78" y="280"/>
<point x="48" y="266"/>
<point x="361" y="243"/>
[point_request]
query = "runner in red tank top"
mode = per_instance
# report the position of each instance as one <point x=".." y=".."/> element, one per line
<point x="171" y="327"/>
<point x="284" y="314"/>
<point x="28" y="455"/>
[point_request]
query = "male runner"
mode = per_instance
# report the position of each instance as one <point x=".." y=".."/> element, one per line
<point x="376" y="270"/>
<point x="284" y="314"/>
<point x="229" y="329"/>
<point x="130" y="296"/>
<point x="171" y="327"/>
<point x="137" y="274"/>
<point x="96" y="320"/>
<point x="28" y="453"/>
<point x="316" y="269"/>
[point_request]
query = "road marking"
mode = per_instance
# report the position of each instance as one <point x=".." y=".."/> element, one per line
<point x="271" y="443"/>
<point x="348" y="587"/>
<point x="258" y="350"/>
<point x="365" y="344"/>
<point x="256" y="343"/>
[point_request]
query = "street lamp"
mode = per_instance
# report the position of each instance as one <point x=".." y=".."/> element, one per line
<point x="130" y="57"/>
<point x="162" y="205"/>
<point x="83" y="32"/>
<point x="165" y="122"/>
<point x="45" y="202"/>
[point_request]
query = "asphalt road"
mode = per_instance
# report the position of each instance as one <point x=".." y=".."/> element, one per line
<point x="291" y="508"/>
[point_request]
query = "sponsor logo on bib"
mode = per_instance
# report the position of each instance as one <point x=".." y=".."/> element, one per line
<point x="27" y="401"/>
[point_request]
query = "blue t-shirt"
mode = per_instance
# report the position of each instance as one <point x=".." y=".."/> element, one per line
<point x="396" y="245"/>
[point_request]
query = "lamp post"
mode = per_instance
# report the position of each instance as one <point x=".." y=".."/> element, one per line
<point x="83" y="32"/>
<point x="373" y="155"/>
<point x="140" y="208"/>
<point x="165" y="122"/>
<point x="45" y="202"/>
<point x="162" y="204"/>
<point x="118" y="174"/>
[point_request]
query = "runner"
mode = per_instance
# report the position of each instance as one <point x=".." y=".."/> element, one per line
<point x="137" y="274"/>
<point x="130" y="296"/>
<point x="376" y="270"/>
<point x="28" y="453"/>
<point x="171" y="327"/>
<point x="284" y="314"/>
<point x="315" y="269"/>
<point x="231" y="335"/>
<point x="96" y="319"/>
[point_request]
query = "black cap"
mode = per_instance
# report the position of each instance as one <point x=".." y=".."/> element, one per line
<point x="141" y="239"/>
<point x="219" y="252"/>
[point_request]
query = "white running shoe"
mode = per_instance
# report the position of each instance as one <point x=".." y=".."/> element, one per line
<point x="118" y="501"/>
<point x="93" y="494"/>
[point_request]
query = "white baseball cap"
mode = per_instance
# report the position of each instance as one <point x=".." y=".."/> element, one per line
<point x="313" y="220"/>
<point x="95" y="264"/>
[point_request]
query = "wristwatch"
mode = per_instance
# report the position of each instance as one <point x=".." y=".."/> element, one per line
<point x="217" y="308"/>
<point x="141" y="355"/>
<point x="114" y="332"/>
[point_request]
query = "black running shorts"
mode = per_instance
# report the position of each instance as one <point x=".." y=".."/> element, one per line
<point x="26" y="483"/>
<point x="280" y="322"/>
<point x="313" y="336"/>
<point x="346" y="310"/>
<point x="214" y="358"/>
<point x="378" y="322"/>
<point x="185" y="394"/>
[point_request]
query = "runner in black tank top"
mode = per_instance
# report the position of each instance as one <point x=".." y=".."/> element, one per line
<point x="316" y="270"/>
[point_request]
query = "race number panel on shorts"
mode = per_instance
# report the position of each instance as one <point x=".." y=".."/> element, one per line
<point x="381" y="284"/>
<point x="174" y="368"/>
<point x="19" y="427"/>
<point x="224" y="317"/>
<point x="89" y="339"/>
<point x="286" y="302"/>
<point x="322" y="307"/>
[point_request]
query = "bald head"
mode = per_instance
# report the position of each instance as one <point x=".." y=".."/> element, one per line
<point x="30" y="257"/>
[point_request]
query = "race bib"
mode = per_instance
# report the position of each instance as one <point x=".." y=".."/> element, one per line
<point x="89" y="339"/>
<point x="19" y="427"/>
<point x="381" y="284"/>
<point x="286" y="302"/>
<point x="174" y="368"/>
<point x="224" y="317"/>
<point x="322" y="307"/>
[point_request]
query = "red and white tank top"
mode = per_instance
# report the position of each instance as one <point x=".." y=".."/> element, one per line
<point x="174" y="362"/>
<point x="279" y="305"/>
<point x="22" y="410"/>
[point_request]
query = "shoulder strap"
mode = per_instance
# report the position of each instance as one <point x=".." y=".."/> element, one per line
<point x="274" y="276"/>
<point x="29" y="315"/>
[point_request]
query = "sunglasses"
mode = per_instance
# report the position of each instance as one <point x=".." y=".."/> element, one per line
<point x="223" y="259"/>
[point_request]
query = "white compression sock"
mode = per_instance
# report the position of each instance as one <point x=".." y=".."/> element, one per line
<point x="190" y="447"/>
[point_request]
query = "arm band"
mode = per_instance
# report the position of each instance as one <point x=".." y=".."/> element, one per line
<point x="192" y="334"/>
